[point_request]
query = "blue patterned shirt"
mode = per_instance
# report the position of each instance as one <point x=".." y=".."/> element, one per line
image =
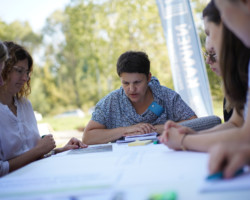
<point x="115" y="110"/>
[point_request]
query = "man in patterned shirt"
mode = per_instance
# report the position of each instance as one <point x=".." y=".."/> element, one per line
<point x="140" y="106"/>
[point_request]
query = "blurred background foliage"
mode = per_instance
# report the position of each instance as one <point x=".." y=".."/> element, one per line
<point x="76" y="52"/>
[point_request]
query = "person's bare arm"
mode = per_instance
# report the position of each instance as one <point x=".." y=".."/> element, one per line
<point x="43" y="147"/>
<point x="202" y="142"/>
<point x="174" y="133"/>
<point x="96" y="133"/>
<point x="235" y="121"/>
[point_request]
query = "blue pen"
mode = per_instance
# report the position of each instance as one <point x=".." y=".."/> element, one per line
<point x="215" y="176"/>
<point x="219" y="175"/>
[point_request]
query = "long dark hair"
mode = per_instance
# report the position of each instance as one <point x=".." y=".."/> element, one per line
<point x="234" y="59"/>
<point x="212" y="13"/>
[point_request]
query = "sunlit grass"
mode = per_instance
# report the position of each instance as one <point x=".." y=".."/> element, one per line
<point x="218" y="109"/>
<point x="66" y="123"/>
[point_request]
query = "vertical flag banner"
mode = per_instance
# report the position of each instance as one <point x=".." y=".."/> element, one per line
<point x="187" y="63"/>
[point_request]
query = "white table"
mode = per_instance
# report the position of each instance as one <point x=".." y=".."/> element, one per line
<point x="127" y="172"/>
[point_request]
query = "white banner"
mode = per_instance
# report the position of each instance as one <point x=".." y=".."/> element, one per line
<point x="187" y="63"/>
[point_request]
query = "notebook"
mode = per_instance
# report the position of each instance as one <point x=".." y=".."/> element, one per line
<point x="132" y="138"/>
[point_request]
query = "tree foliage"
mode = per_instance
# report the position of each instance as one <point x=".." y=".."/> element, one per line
<point x="83" y="63"/>
<point x="21" y="33"/>
<point x="80" y="47"/>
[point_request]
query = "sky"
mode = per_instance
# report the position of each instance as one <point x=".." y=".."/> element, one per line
<point x="33" y="11"/>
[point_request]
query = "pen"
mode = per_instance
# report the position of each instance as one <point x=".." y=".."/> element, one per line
<point x="219" y="175"/>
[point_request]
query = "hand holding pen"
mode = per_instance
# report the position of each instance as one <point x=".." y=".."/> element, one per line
<point x="228" y="160"/>
<point x="46" y="144"/>
<point x="73" y="143"/>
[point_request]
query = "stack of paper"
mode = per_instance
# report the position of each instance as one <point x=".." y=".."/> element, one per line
<point x="132" y="138"/>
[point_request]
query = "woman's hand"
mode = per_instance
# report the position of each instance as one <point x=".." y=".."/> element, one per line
<point x="228" y="158"/>
<point x="46" y="144"/>
<point x="174" y="138"/>
<point x="72" y="144"/>
<point x="180" y="130"/>
<point x="139" y="129"/>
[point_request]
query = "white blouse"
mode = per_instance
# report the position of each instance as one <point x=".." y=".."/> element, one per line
<point x="18" y="134"/>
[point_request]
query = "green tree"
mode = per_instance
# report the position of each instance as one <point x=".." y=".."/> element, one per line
<point x="94" y="35"/>
<point x="81" y="45"/>
<point x="21" y="33"/>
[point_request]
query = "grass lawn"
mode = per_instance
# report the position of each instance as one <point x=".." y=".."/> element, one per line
<point x="218" y="109"/>
<point x="66" y="123"/>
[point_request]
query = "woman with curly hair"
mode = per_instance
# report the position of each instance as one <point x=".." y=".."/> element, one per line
<point x="20" y="142"/>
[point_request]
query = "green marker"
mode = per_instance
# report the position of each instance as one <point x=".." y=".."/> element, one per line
<point x="170" y="195"/>
<point x="156" y="142"/>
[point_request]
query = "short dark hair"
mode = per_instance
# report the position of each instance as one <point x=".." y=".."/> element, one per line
<point x="212" y="13"/>
<point x="133" y="62"/>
